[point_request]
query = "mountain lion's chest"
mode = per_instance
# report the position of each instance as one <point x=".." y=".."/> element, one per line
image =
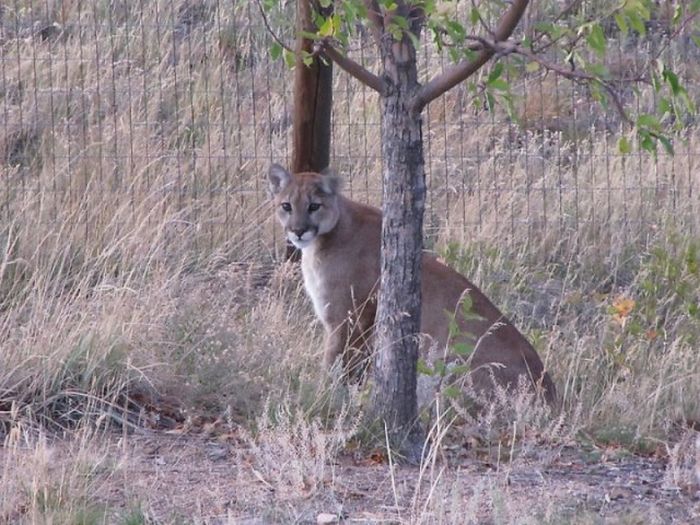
<point x="316" y="285"/>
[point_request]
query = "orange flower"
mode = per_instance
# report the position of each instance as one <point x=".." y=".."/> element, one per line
<point x="621" y="308"/>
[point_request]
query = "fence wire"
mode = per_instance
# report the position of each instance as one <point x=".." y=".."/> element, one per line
<point x="175" y="107"/>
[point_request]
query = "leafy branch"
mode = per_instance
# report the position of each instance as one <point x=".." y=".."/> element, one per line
<point x="325" y="48"/>
<point x="397" y="20"/>
<point x="272" y="33"/>
<point x="463" y="70"/>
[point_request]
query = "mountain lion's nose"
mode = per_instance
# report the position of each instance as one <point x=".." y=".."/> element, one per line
<point x="299" y="231"/>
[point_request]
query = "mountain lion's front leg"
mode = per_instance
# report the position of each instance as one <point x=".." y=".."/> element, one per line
<point x="334" y="345"/>
<point x="347" y="344"/>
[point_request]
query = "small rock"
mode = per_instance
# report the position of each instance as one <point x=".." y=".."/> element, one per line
<point x="326" y="518"/>
<point x="619" y="493"/>
<point x="217" y="452"/>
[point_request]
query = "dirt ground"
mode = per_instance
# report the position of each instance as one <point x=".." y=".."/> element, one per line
<point x="185" y="478"/>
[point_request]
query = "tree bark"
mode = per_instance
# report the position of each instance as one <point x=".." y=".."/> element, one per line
<point x="313" y="101"/>
<point x="403" y="204"/>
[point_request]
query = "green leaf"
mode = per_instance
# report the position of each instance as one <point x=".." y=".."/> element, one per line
<point x="667" y="144"/>
<point x="326" y="3"/>
<point x="423" y="368"/>
<point x="463" y="349"/>
<point x="598" y="70"/>
<point x="354" y="11"/>
<point x="327" y="28"/>
<point x="513" y="115"/>
<point x="451" y="392"/>
<point x="596" y="39"/>
<point x="499" y="84"/>
<point x="554" y="31"/>
<point x="648" y="121"/>
<point x="318" y="18"/>
<point x="599" y="94"/>
<point x="460" y="370"/>
<point x="665" y="106"/>
<point x="275" y="51"/>
<point x="429" y="7"/>
<point x="624" y="146"/>
<point x="637" y="22"/>
<point x="677" y="13"/>
<point x="289" y="58"/>
<point x="531" y="67"/>
<point x="456" y="31"/>
<point x="622" y="24"/>
<point x="452" y="326"/>
<point x="474" y="16"/>
<point x="467" y="305"/>
<point x="307" y="58"/>
<point x="439" y="367"/>
<point x="490" y="101"/>
<point x="496" y="72"/>
<point x="395" y="31"/>
<point x="646" y="141"/>
<point x="640" y="7"/>
<point x="414" y="39"/>
<point x="310" y="35"/>
<point x="400" y="21"/>
<point x="673" y="81"/>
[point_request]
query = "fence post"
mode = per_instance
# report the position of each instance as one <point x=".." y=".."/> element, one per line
<point x="313" y="101"/>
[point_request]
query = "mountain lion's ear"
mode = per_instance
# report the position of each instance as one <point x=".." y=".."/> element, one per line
<point x="278" y="177"/>
<point x="330" y="182"/>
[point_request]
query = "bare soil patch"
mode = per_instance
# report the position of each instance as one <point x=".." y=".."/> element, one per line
<point x="194" y="478"/>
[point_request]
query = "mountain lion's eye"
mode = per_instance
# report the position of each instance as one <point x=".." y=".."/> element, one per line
<point x="314" y="206"/>
<point x="286" y="206"/>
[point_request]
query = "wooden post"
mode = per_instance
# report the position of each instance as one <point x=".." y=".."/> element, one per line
<point x="313" y="101"/>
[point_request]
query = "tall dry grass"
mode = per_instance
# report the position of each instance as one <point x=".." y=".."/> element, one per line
<point x="138" y="257"/>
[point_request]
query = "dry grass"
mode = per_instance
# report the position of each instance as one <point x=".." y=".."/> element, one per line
<point x="46" y="482"/>
<point x="139" y="289"/>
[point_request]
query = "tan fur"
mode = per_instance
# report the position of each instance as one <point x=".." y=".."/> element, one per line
<point x="340" y="244"/>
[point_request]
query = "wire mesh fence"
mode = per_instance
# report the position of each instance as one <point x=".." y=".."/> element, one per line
<point x="116" y="113"/>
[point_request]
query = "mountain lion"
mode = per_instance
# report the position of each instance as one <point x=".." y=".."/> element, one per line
<point x="340" y="244"/>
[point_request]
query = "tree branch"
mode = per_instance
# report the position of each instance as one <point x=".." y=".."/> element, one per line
<point x="358" y="71"/>
<point x="681" y="27"/>
<point x="269" y="29"/>
<point x="576" y="75"/>
<point x="482" y="22"/>
<point x="463" y="70"/>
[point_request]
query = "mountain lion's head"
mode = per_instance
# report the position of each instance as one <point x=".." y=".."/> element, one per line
<point x="307" y="203"/>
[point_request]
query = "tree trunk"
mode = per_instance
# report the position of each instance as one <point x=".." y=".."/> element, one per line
<point x="313" y="101"/>
<point x="403" y="203"/>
